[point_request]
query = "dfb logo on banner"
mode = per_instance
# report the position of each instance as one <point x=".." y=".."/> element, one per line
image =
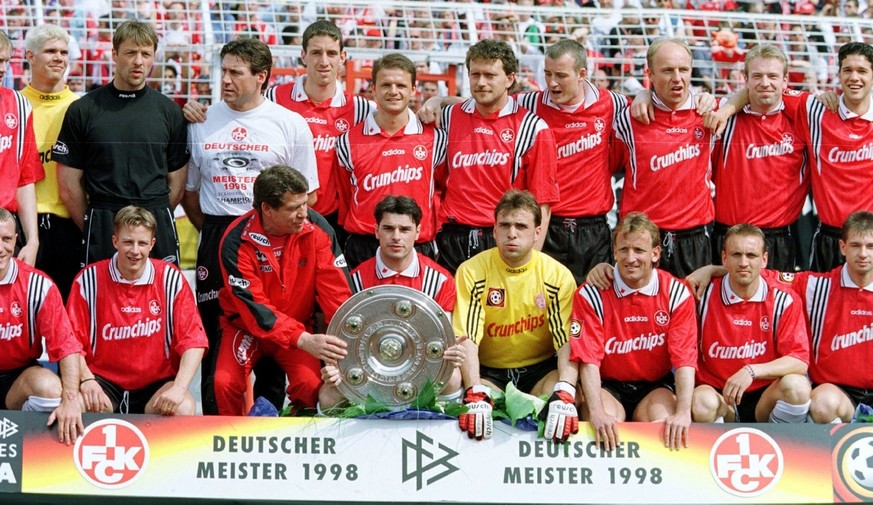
<point x="111" y="454"/>
<point x="441" y="467"/>
<point x="10" y="456"/>
<point x="746" y="462"/>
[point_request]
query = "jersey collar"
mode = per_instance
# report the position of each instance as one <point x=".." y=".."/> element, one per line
<point x="845" y="113"/>
<point x="730" y="298"/>
<point x="621" y="289"/>
<point x="147" y="277"/>
<point x="298" y="94"/>
<point x="413" y="126"/>
<point x="11" y="273"/>
<point x="592" y="94"/>
<point x="748" y="110"/>
<point x="847" y="282"/>
<point x="385" y="272"/>
<point x="688" y="105"/>
<point x="511" y="107"/>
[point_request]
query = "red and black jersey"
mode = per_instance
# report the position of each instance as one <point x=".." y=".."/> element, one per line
<point x="582" y="137"/>
<point x="487" y="156"/>
<point x="423" y="274"/>
<point x="668" y="167"/>
<point x="760" y="170"/>
<point x="327" y="120"/>
<point x="134" y="333"/>
<point x="374" y="165"/>
<point x="19" y="157"/>
<point x="271" y="284"/>
<point x="736" y="332"/>
<point x="31" y="308"/>
<point x="635" y="335"/>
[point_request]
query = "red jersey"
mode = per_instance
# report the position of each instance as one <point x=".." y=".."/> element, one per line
<point x="271" y="284"/>
<point x="423" y="274"/>
<point x="840" y="323"/>
<point x="327" y="120"/>
<point x="668" y="172"/>
<point x="19" y="157"/>
<point x="736" y="332"/>
<point x="582" y="136"/>
<point x="488" y="156"/>
<point x="841" y="153"/>
<point x="635" y="334"/>
<point x="760" y="170"/>
<point x="377" y="165"/>
<point x="134" y="333"/>
<point x="31" y="308"/>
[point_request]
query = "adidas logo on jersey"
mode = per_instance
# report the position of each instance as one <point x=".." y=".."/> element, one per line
<point x="742" y="322"/>
<point x="483" y="130"/>
<point x="316" y="120"/>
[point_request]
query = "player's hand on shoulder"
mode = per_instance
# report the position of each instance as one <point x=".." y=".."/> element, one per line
<point x="715" y="121"/>
<point x="704" y="103"/>
<point x="477" y="421"/>
<point x="431" y="111"/>
<point x="194" y="112"/>
<point x="830" y="99"/>
<point x="560" y="414"/>
<point x="643" y="108"/>
<point x="601" y="276"/>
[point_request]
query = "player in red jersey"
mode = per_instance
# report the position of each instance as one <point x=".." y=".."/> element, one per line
<point x="278" y="260"/>
<point x="581" y="118"/>
<point x="628" y="337"/>
<point x="389" y="153"/>
<point x="34" y="310"/>
<point x="839" y="315"/>
<point x="840" y="152"/>
<point x="396" y="262"/>
<point x="754" y="349"/>
<point x="20" y="163"/>
<point x="763" y="132"/>
<point x="668" y="168"/>
<point x="138" y="323"/>
<point x="493" y="145"/>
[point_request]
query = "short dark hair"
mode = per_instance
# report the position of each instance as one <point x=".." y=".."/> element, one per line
<point x="395" y="61"/>
<point x="493" y="50"/>
<point x="133" y="216"/>
<point x="402" y="205"/>
<point x="138" y="32"/>
<point x="515" y="199"/>
<point x="272" y="184"/>
<point x="858" y="222"/>
<point x="322" y="28"/>
<point x="853" y="48"/>
<point x="252" y="51"/>
<point x="743" y="230"/>
<point x="571" y="47"/>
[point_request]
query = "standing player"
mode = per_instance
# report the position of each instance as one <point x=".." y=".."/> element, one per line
<point x="36" y="311"/>
<point x="753" y="343"/>
<point x="244" y="134"/>
<point x="631" y="338"/>
<point x="762" y="133"/>
<point x="278" y="260"/>
<point x="48" y="55"/>
<point x="514" y="304"/>
<point x="668" y="168"/>
<point x="493" y="145"/>
<point x="581" y="117"/>
<point x="124" y="143"/>
<point x="389" y="153"/>
<point x="137" y="321"/>
<point x="398" y="225"/>
<point x="20" y="161"/>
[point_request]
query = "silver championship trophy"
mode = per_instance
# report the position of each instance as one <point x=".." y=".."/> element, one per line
<point x="397" y="337"/>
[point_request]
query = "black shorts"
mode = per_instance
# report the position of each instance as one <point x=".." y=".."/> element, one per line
<point x="130" y="402"/>
<point x="524" y="378"/>
<point x="8" y="378"/>
<point x="359" y="248"/>
<point x="684" y="251"/>
<point x="746" y="409"/>
<point x="781" y="247"/>
<point x="825" y="251"/>
<point x="630" y="393"/>
<point x="579" y="243"/>
<point x="457" y="243"/>
<point x="857" y="395"/>
<point x="60" y="250"/>
<point x="99" y="218"/>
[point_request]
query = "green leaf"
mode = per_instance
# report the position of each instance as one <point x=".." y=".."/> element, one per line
<point x="426" y="399"/>
<point x="520" y="405"/>
<point x="373" y="406"/>
<point x="454" y="409"/>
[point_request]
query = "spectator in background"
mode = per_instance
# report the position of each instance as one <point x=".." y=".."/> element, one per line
<point x="529" y="27"/>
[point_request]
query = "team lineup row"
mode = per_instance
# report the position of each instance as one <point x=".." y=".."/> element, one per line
<point x="121" y="144"/>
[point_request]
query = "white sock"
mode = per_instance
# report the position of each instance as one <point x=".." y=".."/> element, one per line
<point x="836" y="420"/>
<point x="785" y="412"/>
<point x="719" y="420"/>
<point x="40" y="404"/>
<point x="451" y="397"/>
